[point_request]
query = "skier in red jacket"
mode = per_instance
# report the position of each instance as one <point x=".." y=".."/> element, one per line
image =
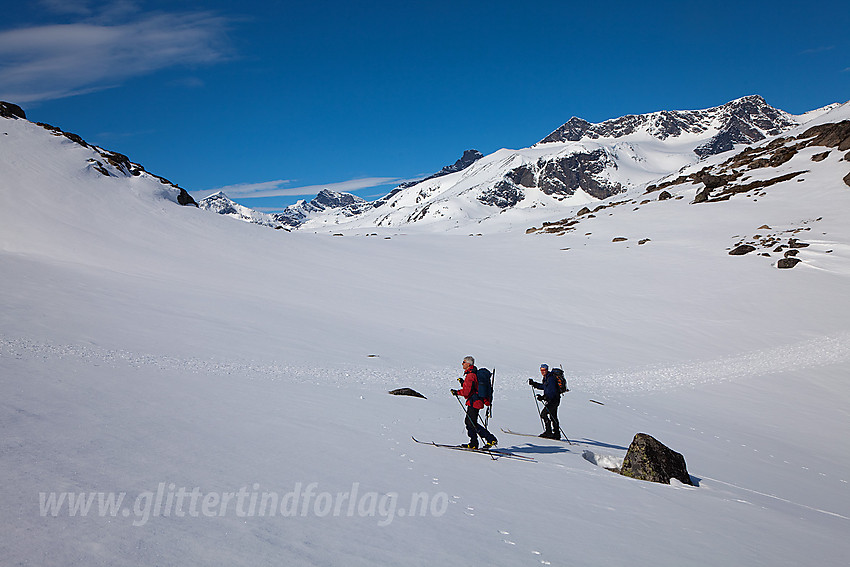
<point x="474" y="404"/>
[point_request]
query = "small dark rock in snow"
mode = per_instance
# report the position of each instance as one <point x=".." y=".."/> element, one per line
<point x="649" y="459"/>
<point x="741" y="250"/>
<point x="407" y="392"/>
<point x="789" y="262"/>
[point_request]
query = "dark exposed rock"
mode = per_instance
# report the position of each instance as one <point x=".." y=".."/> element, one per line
<point x="830" y="135"/>
<point x="729" y="190"/>
<point x="847" y="179"/>
<point x="794" y="243"/>
<point x="184" y="198"/>
<point x="821" y="156"/>
<point x="782" y="155"/>
<point x="649" y="459"/>
<point x="702" y="196"/>
<point x="504" y="194"/>
<point x="332" y="200"/>
<point x="523" y="175"/>
<point x="736" y="132"/>
<point x="664" y="195"/>
<point x="468" y="158"/>
<point x="407" y="392"/>
<point x="9" y="110"/>
<point x="788" y="262"/>
<point x="571" y="131"/>
<point x="713" y="181"/>
<point x="741" y="250"/>
<point x="567" y="174"/>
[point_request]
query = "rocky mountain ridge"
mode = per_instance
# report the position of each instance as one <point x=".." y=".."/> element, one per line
<point x="105" y="162"/>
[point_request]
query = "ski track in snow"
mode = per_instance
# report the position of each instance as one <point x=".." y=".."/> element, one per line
<point x="819" y="351"/>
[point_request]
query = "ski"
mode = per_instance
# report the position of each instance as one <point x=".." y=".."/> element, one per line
<point x="508" y="431"/>
<point x="493" y="453"/>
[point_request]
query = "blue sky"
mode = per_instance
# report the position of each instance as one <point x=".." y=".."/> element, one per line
<point x="273" y="101"/>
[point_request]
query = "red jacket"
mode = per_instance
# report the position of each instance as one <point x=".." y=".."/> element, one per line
<point x="470" y="387"/>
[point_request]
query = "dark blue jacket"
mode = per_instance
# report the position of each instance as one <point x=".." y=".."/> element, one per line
<point x="549" y="387"/>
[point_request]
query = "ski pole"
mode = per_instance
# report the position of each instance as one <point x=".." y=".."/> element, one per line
<point x="479" y="422"/>
<point x="537" y="402"/>
<point x="466" y="419"/>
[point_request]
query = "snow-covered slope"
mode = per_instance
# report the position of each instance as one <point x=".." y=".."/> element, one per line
<point x="214" y="371"/>
<point x="576" y="164"/>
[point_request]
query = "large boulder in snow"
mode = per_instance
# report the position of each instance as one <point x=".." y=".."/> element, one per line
<point x="649" y="459"/>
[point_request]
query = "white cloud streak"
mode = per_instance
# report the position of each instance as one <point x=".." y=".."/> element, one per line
<point x="276" y="189"/>
<point x="56" y="61"/>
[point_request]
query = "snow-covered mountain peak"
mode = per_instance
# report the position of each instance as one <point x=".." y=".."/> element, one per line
<point x="576" y="164"/>
<point x="743" y="120"/>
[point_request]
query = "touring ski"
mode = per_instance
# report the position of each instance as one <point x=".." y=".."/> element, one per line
<point x="508" y="431"/>
<point x="493" y="453"/>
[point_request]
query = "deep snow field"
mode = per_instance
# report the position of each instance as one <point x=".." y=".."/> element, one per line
<point x="203" y="366"/>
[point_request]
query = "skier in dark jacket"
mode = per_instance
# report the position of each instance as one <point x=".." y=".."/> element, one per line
<point x="474" y="404"/>
<point x="551" y="399"/>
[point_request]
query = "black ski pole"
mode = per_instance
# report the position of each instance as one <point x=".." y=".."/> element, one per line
<point x="537" y="402"/>
<point x="466" y="419"/>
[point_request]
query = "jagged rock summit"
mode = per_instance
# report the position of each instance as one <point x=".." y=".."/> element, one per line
<point x="742" y="121"/>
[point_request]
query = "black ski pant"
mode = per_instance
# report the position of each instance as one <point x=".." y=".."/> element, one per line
<point x="550" y="415"/>
<point x="474" y="428"/>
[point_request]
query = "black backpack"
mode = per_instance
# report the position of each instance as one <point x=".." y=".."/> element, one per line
<point x="558" y="375"/>
<point x="485" y="386"/>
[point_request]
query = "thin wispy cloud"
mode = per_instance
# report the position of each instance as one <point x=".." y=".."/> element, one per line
<point x="277" y="188"/>
<point x="817" y="50"/>
<point x="57" y="61"/>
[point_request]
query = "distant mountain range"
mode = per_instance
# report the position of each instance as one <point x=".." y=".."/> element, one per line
<point x="578" y="163"/>
<point x="325" y="203"/>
